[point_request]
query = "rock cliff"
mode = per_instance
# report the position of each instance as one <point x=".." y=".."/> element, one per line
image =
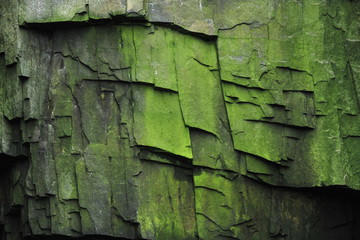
<point x="192" y="119"/>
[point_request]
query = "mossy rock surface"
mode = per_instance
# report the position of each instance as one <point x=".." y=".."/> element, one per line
<point x="197" y="119"/>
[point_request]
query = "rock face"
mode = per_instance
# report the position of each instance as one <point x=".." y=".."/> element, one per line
<point x="196" y="119"/>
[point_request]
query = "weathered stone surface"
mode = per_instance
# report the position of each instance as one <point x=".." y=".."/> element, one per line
<point x="198" y="119"/>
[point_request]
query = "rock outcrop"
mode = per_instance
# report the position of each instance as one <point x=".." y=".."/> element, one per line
<point x="192" y="119"/>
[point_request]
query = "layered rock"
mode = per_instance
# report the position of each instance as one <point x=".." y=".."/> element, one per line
<point x="179" y="119"/>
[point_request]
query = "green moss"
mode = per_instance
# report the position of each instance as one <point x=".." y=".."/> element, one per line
<point x="168" y="191"/>
<point x="218" y="204"/>
<point x="158" y="121"/>
<point x="160" y="131"/>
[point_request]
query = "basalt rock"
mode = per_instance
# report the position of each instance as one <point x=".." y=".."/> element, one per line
<point x="196" y="119"/>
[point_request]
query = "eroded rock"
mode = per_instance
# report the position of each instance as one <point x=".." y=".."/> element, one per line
<point x="179" y="119"/>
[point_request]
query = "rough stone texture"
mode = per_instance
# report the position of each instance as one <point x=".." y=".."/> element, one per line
<point x="196" y="119"/>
